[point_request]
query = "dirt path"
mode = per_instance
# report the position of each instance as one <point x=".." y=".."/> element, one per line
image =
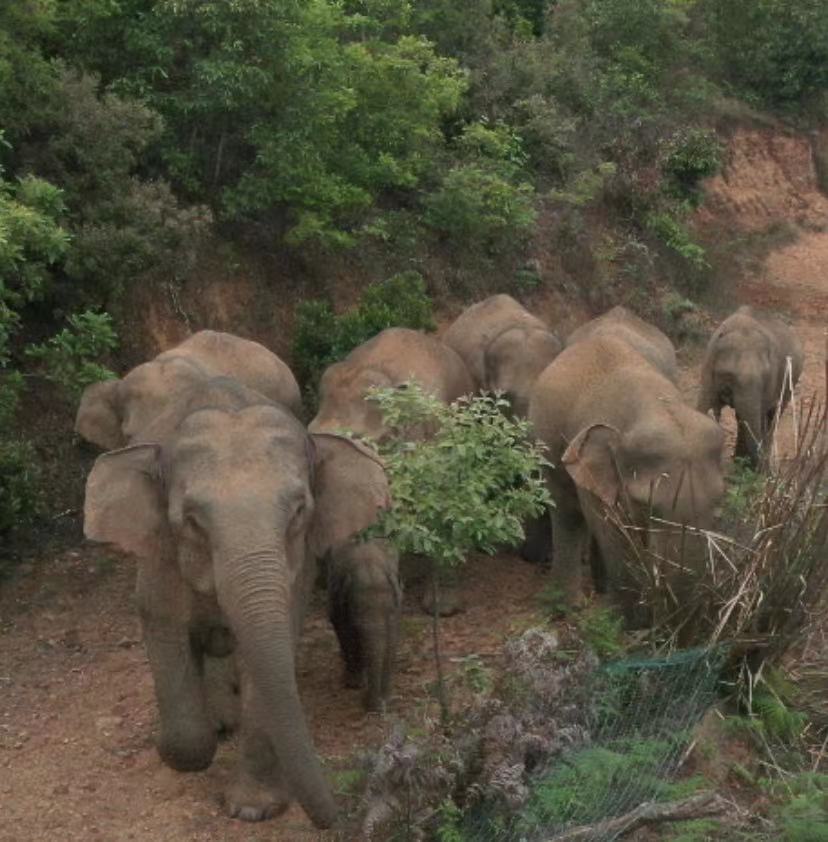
<point x="76" y="704"/>
<point x="77" y="710"/>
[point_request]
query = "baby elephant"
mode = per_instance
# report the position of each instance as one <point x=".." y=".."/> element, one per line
<point x="745" y="367"/>
<point x="364" y="599"/>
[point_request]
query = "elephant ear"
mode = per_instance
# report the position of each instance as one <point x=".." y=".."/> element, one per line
<point x="350" y="490"/>
<point x="99" y="415"/>
<point x="590" y="461"/>
<point x="123" y="504"/>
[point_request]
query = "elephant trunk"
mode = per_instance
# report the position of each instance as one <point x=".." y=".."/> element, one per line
<point x="255" y="595"/>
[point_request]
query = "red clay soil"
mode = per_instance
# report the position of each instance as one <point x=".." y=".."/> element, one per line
<point x="76" y="704"/>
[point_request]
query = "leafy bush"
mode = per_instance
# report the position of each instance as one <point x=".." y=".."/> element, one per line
<point x="321" y="337"/>
<point x="477" y="207"/>
<point x="675" y="235"/>
<point x="601" y="629"/>
<point x="804" y="818"/>
<point x="19" y="484"/>
<point x="774" y="51"/>
<point x="69" y="357"/>
<point x="31" y="242"/>
<point x="121" y="226"/>
<point x="469" y="486"/>
<point x="691" y="155"/>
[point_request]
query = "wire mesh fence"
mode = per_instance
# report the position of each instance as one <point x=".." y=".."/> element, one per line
<point x="638" y="722"/>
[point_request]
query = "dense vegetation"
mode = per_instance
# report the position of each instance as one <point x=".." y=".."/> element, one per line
<point x="136" y="131"/>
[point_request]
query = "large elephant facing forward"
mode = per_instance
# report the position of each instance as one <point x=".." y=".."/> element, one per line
<point x="622" y="324"/>
<point x="393" y="357"/>
<point x="617" y="429"/>
<point x="226" y="517"/>
<point x="115" y="413"/>
<point x="745" y="367"/>
<point x="504" y="347"/>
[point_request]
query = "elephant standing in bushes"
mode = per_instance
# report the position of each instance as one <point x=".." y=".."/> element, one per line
<point x="115" y="413"/>
<point x="390" y="359"/>
<point x="364" y="591"/>
<point x="617" y="430"/>
<point x="227" y="518"/>
<point x="745" y="367"/>
<point x="504" y="347"/>
<point x="620" y="323"/>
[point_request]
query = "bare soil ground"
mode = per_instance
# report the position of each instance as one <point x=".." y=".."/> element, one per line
<point x="76" y="704"/>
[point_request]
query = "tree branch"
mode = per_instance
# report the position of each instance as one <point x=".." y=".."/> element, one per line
<point x="696" y="807"/>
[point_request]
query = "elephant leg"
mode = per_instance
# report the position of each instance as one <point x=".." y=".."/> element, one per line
<point x="258" y="791"/>
<point x="569" y="536"/>
<point x="187" y="741"/>
<point x="350" y="643"/>
<point x="221" y="682"/>
<point x="538" y="541"/>
<point x="379" y="636"/>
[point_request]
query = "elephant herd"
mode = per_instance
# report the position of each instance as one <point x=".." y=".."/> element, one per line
<point x="229" y="502"/>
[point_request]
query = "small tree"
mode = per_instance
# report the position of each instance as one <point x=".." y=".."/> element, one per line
<point x="469" y="487"/>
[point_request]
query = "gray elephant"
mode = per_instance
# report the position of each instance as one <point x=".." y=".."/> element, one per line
<point x="745" y="367"/>
<point x="617" y="429"/>
<point x="364" y="591"/>
<point x="620" y="323"/>
<point x="391" y="358"/>
<point x="504" y="347"/>
<point x="227" y="517"/>
<point x="115" y="413"/>
<point x="364" y="605"/>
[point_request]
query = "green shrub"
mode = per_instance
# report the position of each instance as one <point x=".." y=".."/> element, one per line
<point x="804" y="818"/>
<point x="773" y="51"/>
<point x="19" y="484"/>
<point x="691" y="155"/>
<point x="469" y="486"/>
<point x="70" y="357"/>
<point x="477" y="207"/>
<point x="601" y="629"/>
<point x="674" y="235"/>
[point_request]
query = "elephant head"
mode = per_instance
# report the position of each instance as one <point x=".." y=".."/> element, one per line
<point x="111" y="414"/>
<point x="514" y="358"/>
<point x="238" y="504"/>
<point x="652" y="472"/>
<point x="145" y="402"/>
<point x="343" y="405"/>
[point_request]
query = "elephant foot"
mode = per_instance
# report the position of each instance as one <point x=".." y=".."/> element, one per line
<point x="449" y="602"/>
<point x="251" y="801"/>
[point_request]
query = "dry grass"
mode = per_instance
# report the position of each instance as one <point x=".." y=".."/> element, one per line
<point x="762" y="587"/>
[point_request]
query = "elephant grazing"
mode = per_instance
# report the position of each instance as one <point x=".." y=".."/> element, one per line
<point x="115" y="413"/>
<point x="504" y="347"/>
<point x="745" y="367"/>
<point x="390" y="359"/>
<point x="227" y="516"/>
<point x="617" y="429"/>
<point x="621" y="323"/>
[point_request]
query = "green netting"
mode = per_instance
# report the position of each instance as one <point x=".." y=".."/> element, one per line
<point x="638" y="721"/>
